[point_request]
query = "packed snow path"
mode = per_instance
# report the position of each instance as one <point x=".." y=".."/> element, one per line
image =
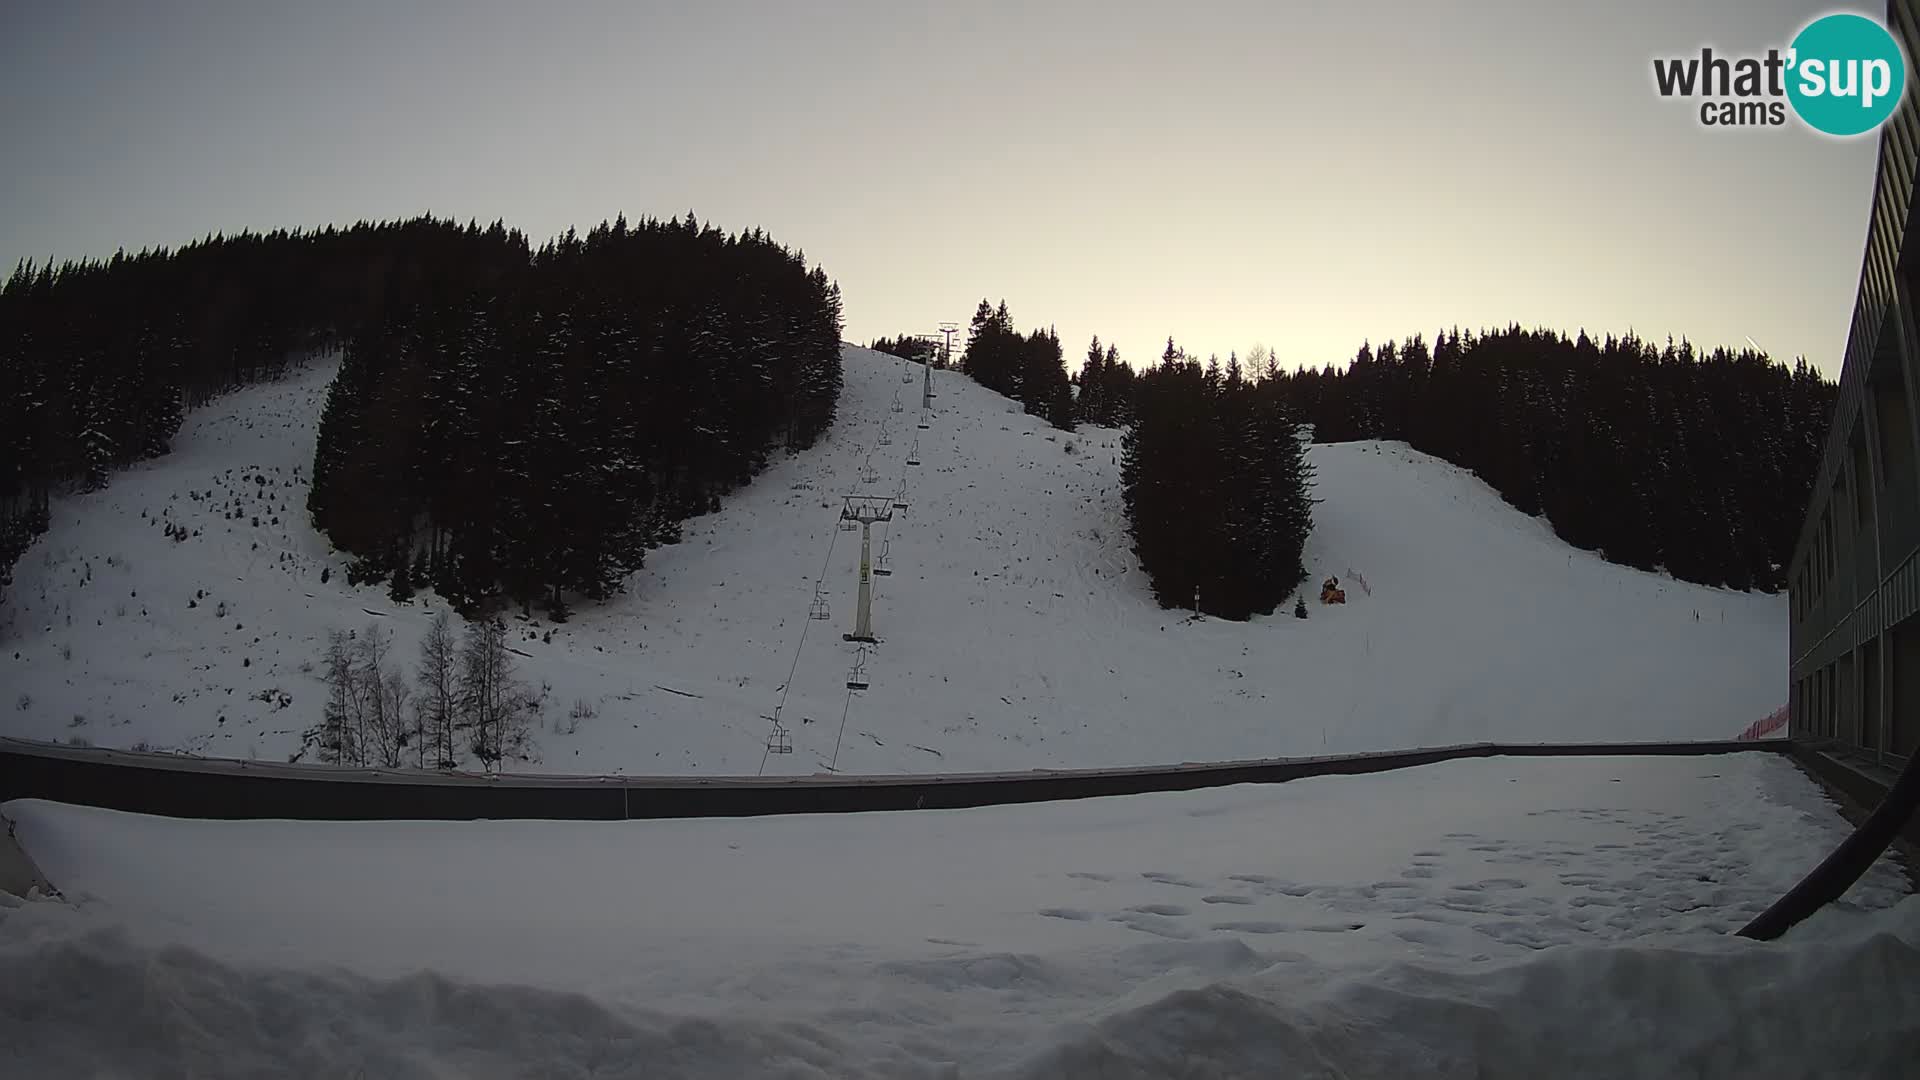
<point x="1016" y="629"/>
<point x="1497" y="917"/>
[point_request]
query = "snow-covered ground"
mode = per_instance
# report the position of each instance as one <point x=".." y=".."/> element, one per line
<point x="1494" y="917"/>
<point x="1017" y="629"/>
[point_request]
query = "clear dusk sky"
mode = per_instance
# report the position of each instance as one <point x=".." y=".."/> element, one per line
<point x="1304" y="175"/>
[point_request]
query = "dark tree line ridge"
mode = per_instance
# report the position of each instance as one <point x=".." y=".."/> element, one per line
<point x="101" y="359"/>
<point x="1029" y="368"/>
<point x="1656" y="457"/>
<point x="506" y="423"/>
<point x="1698" y="463"/>
<point x="531" y="439"/>
<point x="1217" y="487"/>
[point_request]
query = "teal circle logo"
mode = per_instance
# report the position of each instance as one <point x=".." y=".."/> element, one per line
<point x="1845" y="74"/>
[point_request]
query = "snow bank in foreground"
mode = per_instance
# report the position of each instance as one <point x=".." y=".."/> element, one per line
<point x="100" y="1004"/>
<point x="1496" y="917"/>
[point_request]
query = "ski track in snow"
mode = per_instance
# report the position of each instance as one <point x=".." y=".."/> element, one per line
<point x="1485" y="918"/>
<point x="1017" y="629"/>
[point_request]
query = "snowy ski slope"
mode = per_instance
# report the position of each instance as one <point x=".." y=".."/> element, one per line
<point x="1016" y="629"/>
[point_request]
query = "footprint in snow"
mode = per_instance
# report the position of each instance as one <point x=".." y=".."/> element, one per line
<point x="1226" y="898"/>
<point x="1159" y="909"/>
<point x="1264" y="927"/>
<point x="1148" y="923"/>
<point x="1169" y="879"/>
<point x="1492" y="883"/>
<point x="1070" y="914"/>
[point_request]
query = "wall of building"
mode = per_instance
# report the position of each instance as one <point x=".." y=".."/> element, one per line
<point x="1855" y="577"/>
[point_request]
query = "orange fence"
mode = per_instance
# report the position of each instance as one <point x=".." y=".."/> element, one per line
<point x="1764" y="726"/>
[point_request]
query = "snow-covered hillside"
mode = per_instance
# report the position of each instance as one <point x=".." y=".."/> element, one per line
<point x="1017" y="630"/>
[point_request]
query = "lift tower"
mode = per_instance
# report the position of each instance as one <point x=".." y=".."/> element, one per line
<point x="866" y="510"/>
<point x="947" y="330"/>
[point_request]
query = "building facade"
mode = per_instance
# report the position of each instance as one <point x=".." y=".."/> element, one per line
<point x="1854" y="582"/>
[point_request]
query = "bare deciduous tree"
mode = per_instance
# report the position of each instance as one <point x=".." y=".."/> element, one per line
<point x="438" y="704"/>
<point x="494" y="703"/>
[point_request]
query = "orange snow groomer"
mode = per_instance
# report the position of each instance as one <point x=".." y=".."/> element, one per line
<point x="1332" y="593"/>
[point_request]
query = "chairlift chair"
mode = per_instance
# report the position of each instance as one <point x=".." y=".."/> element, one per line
<point x="857" y="678"/>
<point x="820" y="609"/>
<point x="778" y="740"/>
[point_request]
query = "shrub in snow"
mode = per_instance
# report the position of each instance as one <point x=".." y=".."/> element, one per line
<point x="1299" y="607"/>
<point x="582" y="710"/>
<point x="24" y="701"/>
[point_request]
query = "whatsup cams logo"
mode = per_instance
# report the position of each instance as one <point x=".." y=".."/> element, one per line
<point x="1842" y="75"/>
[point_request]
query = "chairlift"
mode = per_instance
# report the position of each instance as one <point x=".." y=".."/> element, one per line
<point x="885" y="438"/>
<point x="857" y="678"/>
<point x="913" y="455"/>
<point x="778" y="740"/>
<point x="820" y="609"/>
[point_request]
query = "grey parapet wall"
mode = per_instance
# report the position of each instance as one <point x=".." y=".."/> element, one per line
<point x="192" y="787"/>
